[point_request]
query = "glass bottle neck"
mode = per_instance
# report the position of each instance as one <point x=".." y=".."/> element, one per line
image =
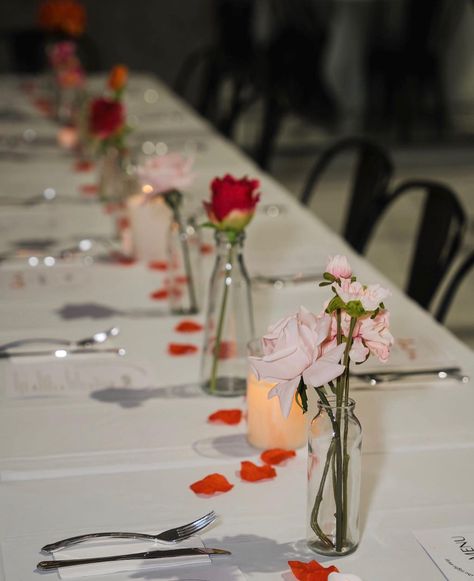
<point x="331" y="405"/>
<point x="224" y="246"/>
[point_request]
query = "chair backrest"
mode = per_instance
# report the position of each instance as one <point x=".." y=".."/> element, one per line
<point x="450" y="291"/>
<point x="368" y="196"/>
<point x="438" y="238"/>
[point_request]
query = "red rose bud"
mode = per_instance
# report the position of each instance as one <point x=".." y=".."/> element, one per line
<point x="106" y="117"/>
<point x="233" y="202"/>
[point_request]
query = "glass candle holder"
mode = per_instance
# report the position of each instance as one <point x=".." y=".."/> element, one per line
<point x="266" y="425"/>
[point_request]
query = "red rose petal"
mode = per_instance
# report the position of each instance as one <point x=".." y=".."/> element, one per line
<point x="178" y="349"/>
<point x="252" y="473"/>
<point x="89" y="189"/>
<point x="123" y="223"/>
<point x="312" y="571"/>
<point x="227" y="349"/>
<point x="83" y="165"/>
<point x="188" y="326"/>
<point x="159" y="294"/>
<point x="230" y="417"/>
<point x="181" y="279"/>
<point x="276" y="456"/>
<point x="207" y="248"/>
<point x="211" y="484"/>
<point x="122" y="259"/>
<point x="158" y="265"/>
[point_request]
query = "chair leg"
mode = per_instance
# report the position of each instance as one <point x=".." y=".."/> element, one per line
<point x="271" y="123"/>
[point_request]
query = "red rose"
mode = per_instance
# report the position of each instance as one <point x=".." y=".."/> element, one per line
<point x="233" y="202"/>
<point x="106" y="117"/>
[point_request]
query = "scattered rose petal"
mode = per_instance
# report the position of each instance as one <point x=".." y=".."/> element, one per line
<point x="83" y="165"/>
<point x="227" y="349"/>
<point x="231" y="417"/>
<point x="177" y="349"/>
<point x="159" y="294"/>
<point x="158" y="265"/>
<point x="188" y="326"/>
<point x="181" y="279"/>
<point x="312" y="571"/>
<point x="123" y="223"/>
<point x="89" y="189"/>
<point x="207" y="248"/>
<point x="212" y="484"/>
<point x="276" y="456"/>
<point x="252" y="473"/>
<point x="122" y="259"/>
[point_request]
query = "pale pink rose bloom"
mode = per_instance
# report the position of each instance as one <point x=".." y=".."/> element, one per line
<point x="166" y="172"/>
<point x="292" y="350"/>
<point x="370" y="296"/>
<point x="339" y="266"/>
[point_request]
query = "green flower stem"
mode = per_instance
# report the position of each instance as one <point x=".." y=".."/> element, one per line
<point x="220" y="327"/>
<point x="346" y="460"/>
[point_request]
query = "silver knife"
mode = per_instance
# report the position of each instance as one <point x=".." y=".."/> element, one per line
<point x="388" y="376"/>
<point x="157" y="554"/>
<point x="61" y="353"/>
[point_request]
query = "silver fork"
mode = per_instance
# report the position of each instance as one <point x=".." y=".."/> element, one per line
<point x="95" y="339"/>
<point x="170" y="536"/>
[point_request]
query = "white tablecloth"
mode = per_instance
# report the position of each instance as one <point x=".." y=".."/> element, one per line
<point x="123" y="457"/>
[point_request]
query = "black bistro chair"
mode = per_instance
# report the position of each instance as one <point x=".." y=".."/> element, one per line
<point x="370" y="183"/>
<point x="438" y="237"/>
<point x="458" y="277"/>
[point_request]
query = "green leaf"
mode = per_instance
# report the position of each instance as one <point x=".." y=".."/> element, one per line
<point x="355" y="309"/>
<point x="325" y="283"/>
<point x="335" y="303"/>
<point x="301" y="396"/>
<point x="329" y="276"/>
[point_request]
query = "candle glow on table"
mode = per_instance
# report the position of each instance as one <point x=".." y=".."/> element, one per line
<point x="149" y="222"/>
<point x="266" y="425"/>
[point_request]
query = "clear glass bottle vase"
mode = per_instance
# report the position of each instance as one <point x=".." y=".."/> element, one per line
<point x="184" y="261"/>
<point x="334" y="472"/>
<point x="229" y="323"/>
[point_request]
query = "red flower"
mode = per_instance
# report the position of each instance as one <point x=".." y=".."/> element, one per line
<point x="118" y="78"/>
<point x="106" y="117"/>
<point x="233" y="202"/>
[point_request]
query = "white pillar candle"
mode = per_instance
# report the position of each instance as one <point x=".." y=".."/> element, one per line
<point x="266" y="425"/>
<point x="149" y="224"/>
<point x="343" y="577"/>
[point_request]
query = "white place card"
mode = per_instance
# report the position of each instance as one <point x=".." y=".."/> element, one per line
<point x="79" y="375"/>
<point x="451" y="549"/>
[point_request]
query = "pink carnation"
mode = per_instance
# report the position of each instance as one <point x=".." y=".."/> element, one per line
<point x="339" y="266"/>
<point x="369" y="296"/>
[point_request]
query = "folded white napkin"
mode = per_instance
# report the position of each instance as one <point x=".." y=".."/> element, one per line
<point x="114" y="547"/>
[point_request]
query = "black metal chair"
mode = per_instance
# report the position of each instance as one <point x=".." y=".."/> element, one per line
<point x="453" y="286"/>
<point x="438" y="238"/>
<point x="368" y="197"/>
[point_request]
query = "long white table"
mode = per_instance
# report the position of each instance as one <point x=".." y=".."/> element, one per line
<point x="84" y="459"/>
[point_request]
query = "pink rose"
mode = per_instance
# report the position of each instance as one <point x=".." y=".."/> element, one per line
<point x="166" y="172"/>
<point x="369" y="296"/>
<point x="339" y="266"/>
<point x="293" y="350"/>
